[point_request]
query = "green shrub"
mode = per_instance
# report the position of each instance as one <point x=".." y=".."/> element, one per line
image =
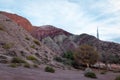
<point x="117" y="78"/>
<point x="103" y="72"/>
<point x="27" y="65"/>
<point x="33" y="46"/>
<point x="68" y="58"/>
<point x="36" y="42"/>
<point x="31" y="58"/>
<point x="68" y="55"/>
<point x="13" y="65"/>
<point x="7" y="46"/>
<point x="17" y="60"/>
<point x="58" y="59"/>
<point x="49" y="69"/>
<point x="90" y="75"/>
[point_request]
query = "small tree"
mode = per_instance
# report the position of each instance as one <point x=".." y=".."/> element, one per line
<point x="86" y="55"/>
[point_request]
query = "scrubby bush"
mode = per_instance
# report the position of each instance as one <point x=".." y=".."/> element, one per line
<point x="31" y="57"/>
<point x="68" y="55"/>
<point x="13" y="65"/>
<point x="58" y="59"/>
<point x="49" y="69"/>
<point x="90" y="75"/>
<point x="103" y="72"/>
<point x="117" y="78"/>
<point x="36" y="42"/>
<point x="7" y="46"/>
<point x="86" y="55"/>
<point x="17" y="60"/>
<point x="32" y="46"/>
<point x="27" y="65"/>
<point x="68" y="58"/>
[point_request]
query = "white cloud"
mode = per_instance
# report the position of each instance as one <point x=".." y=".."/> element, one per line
<point x="115" y="4"/>
<point x="71" y="16"/>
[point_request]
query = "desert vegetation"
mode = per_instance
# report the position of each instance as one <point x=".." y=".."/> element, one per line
<point x="27" y="65"/>
<point x="36" y="42"/>
<point x="17" y="60"/>
<point x="7" y="45"/>
<point x="86" y="55"/>
<point x="67" y="58"/>
<point x="13" y="65"/>
<point x="33" y="59"/>
<point x="90" y="75"/>
<point x="103" y="72"/>
<point x="49" y="69"/>
<point x="32" y="46"/>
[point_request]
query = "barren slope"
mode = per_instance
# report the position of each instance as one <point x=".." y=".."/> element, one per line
<point x="16" y="41"/>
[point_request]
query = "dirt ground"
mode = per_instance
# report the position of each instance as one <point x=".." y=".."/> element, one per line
<point x="20" y="73"/>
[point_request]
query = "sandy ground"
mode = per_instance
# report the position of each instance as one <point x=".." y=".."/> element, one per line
<point x="20" y="73"/>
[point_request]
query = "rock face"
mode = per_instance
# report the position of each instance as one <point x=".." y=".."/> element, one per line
<point x="16" y="41"/>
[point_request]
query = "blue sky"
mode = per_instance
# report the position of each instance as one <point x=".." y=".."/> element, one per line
<point x="75" y="16"/>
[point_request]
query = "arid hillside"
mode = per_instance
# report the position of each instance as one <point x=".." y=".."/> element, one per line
<point x="61" y="41"/>
<point x="15" y="41"/>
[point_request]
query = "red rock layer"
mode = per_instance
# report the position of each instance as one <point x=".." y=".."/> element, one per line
<point x="38" y="32"/>
<point x="48" y="30"/>
<point x="21" y="21"/>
